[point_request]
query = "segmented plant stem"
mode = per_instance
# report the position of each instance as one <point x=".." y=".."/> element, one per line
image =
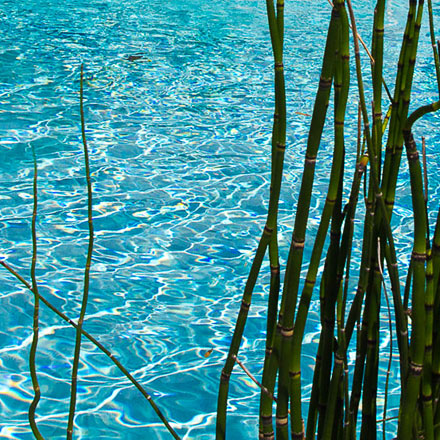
<point x="101" y="347"/>
<point x="34" y="345"/>
<point x="74" y="381"/>
<point x="276" y="29"/>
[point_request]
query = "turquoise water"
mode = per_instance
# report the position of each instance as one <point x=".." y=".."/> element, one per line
<point x="179" y="144"/>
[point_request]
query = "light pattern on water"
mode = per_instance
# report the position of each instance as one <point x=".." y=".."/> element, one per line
<point x="179" y="143"/>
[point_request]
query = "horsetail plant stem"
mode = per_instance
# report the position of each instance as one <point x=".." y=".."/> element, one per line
<point x="434" y="45"/>
<point x="33" y="351"/>
<point x="390" y="327"/>
<point x="101" y="347"/>
<point x="419" y="256"/>
<point x="73" y="388"/>
<point x="341" y="90"/>
<point x="297" y="246"/>
<point x="276" y="27"/>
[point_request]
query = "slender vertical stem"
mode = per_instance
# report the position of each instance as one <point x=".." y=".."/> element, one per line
<point x="73" y="389"/>
<point x="278" y="149"/>
<point x="419" y="255"/>
<point x="297" y="245"/>
<point x="33" y="352"/>
<point x="434" y="45"/>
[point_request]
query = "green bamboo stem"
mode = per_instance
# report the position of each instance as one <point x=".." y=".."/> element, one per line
<point x="277" y="164"/>
<point x="101" y="347"/>
<point x="395" y="119"/>
<point x="383" y="222"/>
<point x="369" y="389"/>
<point x="270" y="364"/>
<point x="332" y="407"/>
<point x="410" y="393"/>
<point x="270" y="361"/>
<point x="280" y="21"/>
<point x="312" y="417"/>
<point x="407" y="287"/>
<point x="74" y="381"/>
<point x="331" y="285"/>
<point x="428" y="417"/>
<point x="436" y="334"/>
<point x="390" y="327"/>
<point x="34" y="345"/>
<point x="436" y="278"/>
<point x="434" y="45"/>
<point x="401" y="103"/>
<point x="356" y="387"/>
<point x="418" y="339"/>
<point x="296" y="249"/>
<point x="341" y="91"/>
<point x="377" y="68"/>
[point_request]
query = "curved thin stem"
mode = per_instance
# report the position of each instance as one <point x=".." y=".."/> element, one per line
<point x="101" y="347"/>
<point x="33" y="352"/>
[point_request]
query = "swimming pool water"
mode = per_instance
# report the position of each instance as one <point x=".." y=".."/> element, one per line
<point x="179" y="143"/>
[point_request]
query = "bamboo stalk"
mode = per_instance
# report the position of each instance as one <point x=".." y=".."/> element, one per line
<point x="73" y="387"/>
<point x="427" y="398"/>
<point x="297" y="245"/>
<point x="434" y="45"/>
<point x="418" y="338"/>
<point x="390" y="327"/>
<point x="101" y="347"/>
<point x="34" y="345"/>
<point x="276" y="29"/>
<point x="341" y="94"/>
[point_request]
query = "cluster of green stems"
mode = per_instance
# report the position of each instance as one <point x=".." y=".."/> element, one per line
<point x="336" y="393"/>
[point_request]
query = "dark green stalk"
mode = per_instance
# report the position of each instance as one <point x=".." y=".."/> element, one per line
<point x="331" y="287"/>
<point x="377" y="68"/>
<point x="270" y="361"/>
<point x="407" y="287"/>
<point x="312" y="416"/>
<point x="401" y="102"/>
<point x="341" y="89"/>
<point x="390" y="327"/>
<point x="417" y="348"/>
<point x="428" y="418"/>
<point x="361" y="351"/>
<point x="277" y="164"/>
<point x="33" y="352"/>
<point x="280" y="21"/>
<point x="395" y="119"/>
<point x="297" y="246"/>
<point x="369" y="389"/>
<point x="94" y="341"/>
<point x="383" y="223"/>
<point x="73" y="388"/>
<point x="271" y="358"/>
<point x="434" y="44"/>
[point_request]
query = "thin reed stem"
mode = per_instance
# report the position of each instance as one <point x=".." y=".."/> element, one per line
<point x="101" y="347"/>
<point x="33" y="351"/>
<point x="73" y="388"/>
<point x="390" y="327"/>
<point x="276" y="26"/>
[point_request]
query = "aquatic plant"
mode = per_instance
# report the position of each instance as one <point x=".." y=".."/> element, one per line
<point x="78" y="324"/>
<point x="336" y="391"/>
<point x="334" y="402"/>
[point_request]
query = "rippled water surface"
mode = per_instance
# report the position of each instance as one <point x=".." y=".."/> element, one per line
<point x="178" y="114"/>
